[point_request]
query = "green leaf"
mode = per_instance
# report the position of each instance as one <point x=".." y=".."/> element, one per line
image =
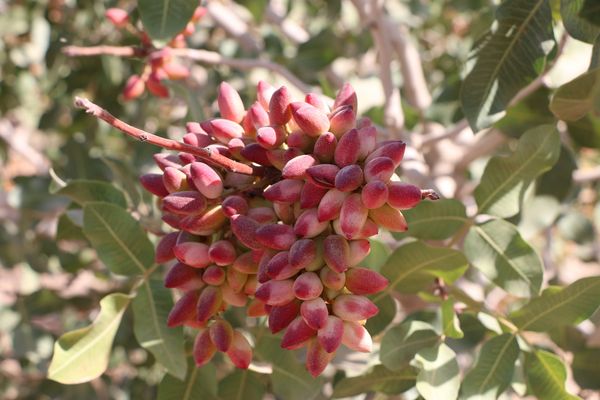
<point x="575" y="226"/>
<point x="585" y="132"/>
<point x="387" y="311"/>
<point x="493" y="370"/>
<point x="586" y="368"/>
<point x="402" y="342"/>
<point x="505" y="179"/>
<point x="450" y="322"/>
<point x="151" y="308"/>
<point x="506" y="59"/>
<point x="577" y="26"/>
<point x="413" y="266"/>
<point x="82" y="355"/>
<point x="563" y="306"/>
<point x="576" y="98"/>
<point x="497" y="249"/>
<point x="199" y="383"/>
<point x="436" y="220"/>
<point x="241" y="385"/>
<point x="163" y="19"/>
<point x="84" y="191"/>
<point x="118" y="238"/>
<point x="561" y="172"/>
<point x="546" y="376"/>
<point x="377" y="379"/>
<point x="439" y="375"/>
<point x="595" y="60"/>
<point x="290" y="379"/>
<point x="538" y="213"/>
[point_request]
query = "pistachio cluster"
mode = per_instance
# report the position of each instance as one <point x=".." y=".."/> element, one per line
<point x="287" y="242"/>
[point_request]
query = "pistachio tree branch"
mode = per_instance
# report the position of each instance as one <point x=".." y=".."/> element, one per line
<point x="169" y="144"/>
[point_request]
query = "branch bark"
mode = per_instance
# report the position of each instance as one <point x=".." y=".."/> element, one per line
<point x="143" y="136"/>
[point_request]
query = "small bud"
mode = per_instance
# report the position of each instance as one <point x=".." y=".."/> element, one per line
<point x="236" y="279"/>
<point x="379" y="169"/>
<point x="403" y="195"/>
<point x="175" y="71"/>
<point x="285" y="191"/>
<point x="246" y="263"/>
<point x="349" y="178"/>
<point x="330" y="335"/>
<point x="275" y="293"/>
<point x="186" y="203"/>
<point x="276" y="236"/>
<point x="297" y="166"/>
<point x="174" y="180"/>
<point x="365" y="281"/>
<point x="270" y="137"/>
<point x="244" y="228"/>
<point x="164" y="160"/>
<point x="307" y="286"/>
<point x="230" y="103"/>
<point x="205" y="224"/>
<point x="336" y="252"/>
<point x="240" y="351"/>
<point x="156" y="87"/>
<point x="314" y="312"/>
<point x="356" y="337"/>
<point x="345" y="96"/>
<point x="134" y="87"/>
<point x="206" y="179"/>
<point x="311" y="195"/>
<point x="359" y="250"/>
<point x="154" y="184"/>
<point x="264" y="91"/>
<point x="117" y="16"/>
<point x="308" y="225"/>
<point x="374" y="194"/>
<point x="256" y="153"/>
<point x="324" y="148"/>
<point x="347" y="149"/>
<point x="183" y="277"/>
<point x="296" y="333"/>
<point x="279" y="110"/>
<point x="342" y="120"/>
<point x="214" y="275"/>
<point x="280" y="317"/>
<point x="164" y="248"/>
<point x="316" y="100"/>
<point x="257" y="308"/>
<point x="262" y="215"/>
<point x="310" y="119"/>
<point x="184" y="309"/>
<point x="204" y="349"/>
<point x="234" y="205"/>
<point x="224" y="130"/>
<point x="222" y="252"/>
<point x="367" y="135"/>
<point x="258" y="116"/>
<point x="316" y="358"/>
<point x="351" y="307"/>
<point x="221" y="334"/>
<point x="389" y="218"/>
<point x="323" y="175"/>
<point x="209" y="302"/>
<point x="193" y="254"/>
<point x="353" y="216"/>
<point x="331" y="279"/>
<point x="393" y="150"/>
<point x="331" y="205"/>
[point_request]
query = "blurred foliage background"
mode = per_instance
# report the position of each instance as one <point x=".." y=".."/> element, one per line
<point x="51" y="280"/>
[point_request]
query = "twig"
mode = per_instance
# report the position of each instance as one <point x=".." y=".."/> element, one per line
<point x="415" y="85"/>
<point x="372" y="14"/>
<point x="201" y="56"/>
<point x="204" y="153"/>
<point x="586" y="175"/>
<point x="213" y="58"/>
<point x="119" y="51"/>
<point x="455" y="130"/>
